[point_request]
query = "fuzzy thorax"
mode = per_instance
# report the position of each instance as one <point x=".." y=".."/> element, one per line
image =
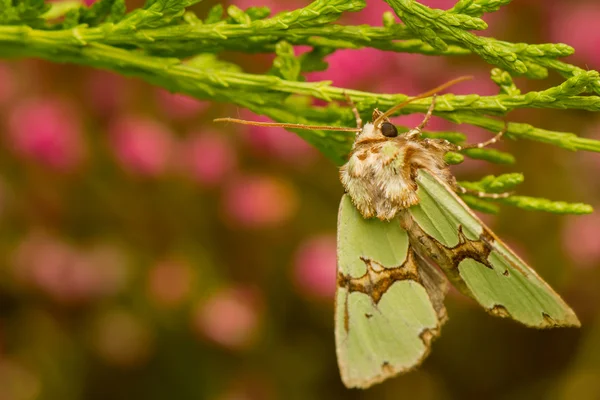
<point x="380" y="174"/>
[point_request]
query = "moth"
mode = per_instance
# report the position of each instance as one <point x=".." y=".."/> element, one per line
<point x="403" y="235"/>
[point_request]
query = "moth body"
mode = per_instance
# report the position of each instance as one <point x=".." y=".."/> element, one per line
<point x="380" y="174"/>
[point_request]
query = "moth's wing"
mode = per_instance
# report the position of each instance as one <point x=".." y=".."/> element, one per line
<point x="477" y="262"/>
<point x="384" y="315"/>
<point x="435" y="283"/>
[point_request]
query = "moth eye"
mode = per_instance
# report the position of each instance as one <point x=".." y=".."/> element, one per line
<point x="388" y="130"/>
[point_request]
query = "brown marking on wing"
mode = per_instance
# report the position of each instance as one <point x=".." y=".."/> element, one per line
<point x="487" y="236"/>
<point x="387" y="368"/>
<point x="449" y="258"/>
<point x="346" y="315"/>
<point x="427" y="336"/>
<point x="499" y="311"/>
<point x="362" y="156"/>
<point x="374" y="283"/>
<point x="377" y="280"/>
<point x="549" y="320"/>
<point x="478" y="249"/>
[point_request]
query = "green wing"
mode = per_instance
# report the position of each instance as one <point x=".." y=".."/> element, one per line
<point x="442" y="227"/>
<point x="388" y="301"/>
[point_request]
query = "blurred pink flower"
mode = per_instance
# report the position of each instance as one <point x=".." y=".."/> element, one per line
<point x="277" y="142"/>
<point x="208" y="157"/>
<point x="315" y="266"/>
<point x="497" y="22"/>
<point x="576" y="24"/>
<point x="66" y="274"/>
<point x="230" y="317"/>
<point x="259" y="201"/>
<point x="107" y="91"/>
<point x="179" y="106"/>
<point x="351" y="68"/>
<point x="142" y="146"/>
<point x="372" y="14"/>
<point x="170" y="283"/>
<point x="122" y="339"/>
<point x="47" y="131"/>
<point x="8" y="87"/>
<point x="581" y="239"/>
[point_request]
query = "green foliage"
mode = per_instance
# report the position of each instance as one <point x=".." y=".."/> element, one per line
<point x="506" y="183"/>
<point x="286" y="65"/>
<point x="557" y="207"/>
<point x="491" y="155"/>
<point x="505" y="82"/>
<point x="27" y="12"/>
<point x="480" y="204"/>
<point x="478" y="8"/>
<point x="493" y="184"/>
<point x="439" y="28"/>
<point x="168" y="45"/>
<point x="453" y="158"/>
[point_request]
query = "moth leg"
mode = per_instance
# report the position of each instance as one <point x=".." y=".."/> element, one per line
<point x="354" y="110"/>
<point x="482" y="195"/>
<point x="486" y="143"/>
<point x="416" y="132"/>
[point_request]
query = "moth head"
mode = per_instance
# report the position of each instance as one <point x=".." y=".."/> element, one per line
<point x="370" y="131"/>
<point x="388" y="129"/>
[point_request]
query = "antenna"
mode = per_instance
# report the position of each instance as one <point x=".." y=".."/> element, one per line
<point x="433" y="91"/>
<point x="284" y="125"/>
<point x="377" y="122"/>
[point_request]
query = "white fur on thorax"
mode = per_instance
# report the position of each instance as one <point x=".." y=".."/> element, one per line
<point x="380" y="175"/>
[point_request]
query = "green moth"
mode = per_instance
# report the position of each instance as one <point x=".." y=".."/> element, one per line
<point x="401" y="213"/>
<point x="400" y="220"/>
